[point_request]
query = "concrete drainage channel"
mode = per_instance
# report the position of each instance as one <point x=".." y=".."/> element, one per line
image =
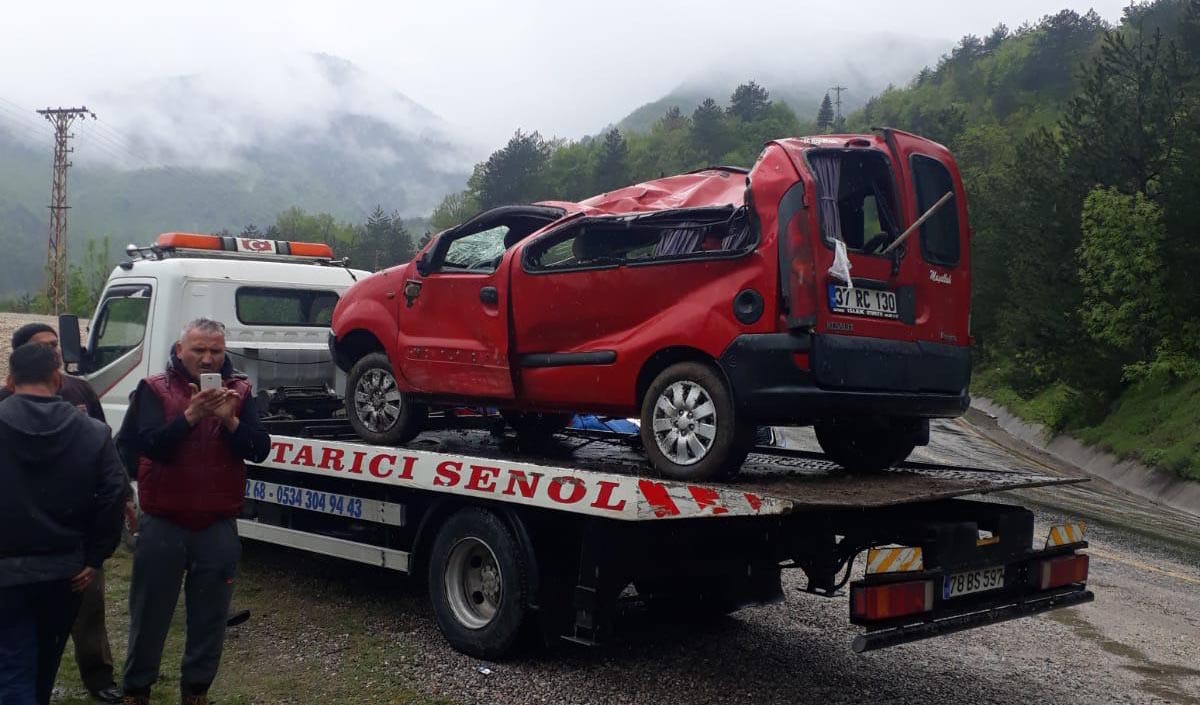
<point x="1156" y="485"/>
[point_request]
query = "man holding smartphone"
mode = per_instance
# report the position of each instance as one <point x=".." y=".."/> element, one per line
<point x="193" y="427"/>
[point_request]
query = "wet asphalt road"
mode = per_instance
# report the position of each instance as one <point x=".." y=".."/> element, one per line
<point x="1139" y="642"/>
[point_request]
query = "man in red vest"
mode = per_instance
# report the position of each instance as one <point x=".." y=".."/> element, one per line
<point x="193" y="445"/>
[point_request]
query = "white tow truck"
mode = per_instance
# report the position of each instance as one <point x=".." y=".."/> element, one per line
<point x="561" y="541"/>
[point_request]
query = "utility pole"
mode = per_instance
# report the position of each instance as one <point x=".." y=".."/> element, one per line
<point x="837" y="103"/>
<point x="56" y="255"/>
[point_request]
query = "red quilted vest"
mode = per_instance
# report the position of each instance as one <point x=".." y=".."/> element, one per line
<point x="206" y="480"/>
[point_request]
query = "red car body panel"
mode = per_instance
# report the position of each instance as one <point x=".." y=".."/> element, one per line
<point x="528" y="337"/>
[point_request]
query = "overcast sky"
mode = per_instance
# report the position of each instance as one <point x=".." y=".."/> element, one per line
<point x="563" y="67"/>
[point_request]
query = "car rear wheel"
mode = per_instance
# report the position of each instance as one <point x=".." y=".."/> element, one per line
<point x="534" y="430"/>
<point x="378" y="411"/>
<point x="478" y="584"/>
<point x="868" y="445"/>
<point x="689" y="427"/>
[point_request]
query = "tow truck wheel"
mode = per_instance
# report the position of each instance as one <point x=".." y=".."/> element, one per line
<point x="378" y="411"/>
<point x="688" y="425"/>
<point x="867" y="445"/>
<point x="477" y="580"/>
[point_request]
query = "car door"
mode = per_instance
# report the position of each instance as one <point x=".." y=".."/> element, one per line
<point x="941" y="245"/>
<point x="454" y="309"/>
<point x="453" y="333"/>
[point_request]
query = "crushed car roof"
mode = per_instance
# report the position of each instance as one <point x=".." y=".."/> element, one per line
<point x="717" y="186"/>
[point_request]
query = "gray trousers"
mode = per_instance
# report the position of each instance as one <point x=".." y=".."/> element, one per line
<point x="93" y="654"/>
<point x="165" y="552"/>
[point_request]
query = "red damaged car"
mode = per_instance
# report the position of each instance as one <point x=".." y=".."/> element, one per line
<point x="828" y="286"/>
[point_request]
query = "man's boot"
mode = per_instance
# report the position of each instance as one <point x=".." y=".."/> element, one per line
<point x="192" y="695"/>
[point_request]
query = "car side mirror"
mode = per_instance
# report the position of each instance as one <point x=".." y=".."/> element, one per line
<point x="69" y="343"/>
<point x="423" y="265"/>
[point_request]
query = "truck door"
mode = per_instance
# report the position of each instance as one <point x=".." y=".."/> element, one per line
<point x="116" y="358"/>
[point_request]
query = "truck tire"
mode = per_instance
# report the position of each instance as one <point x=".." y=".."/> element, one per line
<point x="689" y="427"/>
<point x="378" y="411"/>
<point x="867" y="447"/>
<point x="478" y="584"/>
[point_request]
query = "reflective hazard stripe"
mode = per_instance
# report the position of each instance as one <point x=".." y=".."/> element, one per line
<point x="1065" y="534"/>
<point x="899" y="559"/>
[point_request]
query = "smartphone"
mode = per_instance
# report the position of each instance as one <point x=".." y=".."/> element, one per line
<point x="210" y="380"/>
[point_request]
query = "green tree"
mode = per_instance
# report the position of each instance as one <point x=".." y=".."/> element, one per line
<point x="455" y="209"/>
<point x="749" y="102"/>
<point x="86" y="279"/>
<point x="711" y="136"/>
<point x="384" y="241"/>
<point x="570" y="174"/>
<point x="1122" y="271"/>
<point x="674" y="119"/>
<point x="612" y="167"/>
<point x="825" y="114"/>
<point x="513" y="174"/>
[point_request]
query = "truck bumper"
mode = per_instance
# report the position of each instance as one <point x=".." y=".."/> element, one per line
<point x="976" y="618"/>
<point x="781" y="378"/>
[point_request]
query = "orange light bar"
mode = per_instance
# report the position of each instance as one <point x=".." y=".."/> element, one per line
<point x="311" y="249"/>
<point x="1064" y="570"/>
<point x="190" y="241"/>
<point x="878" y="602"/>
<point x="253" y="246"/>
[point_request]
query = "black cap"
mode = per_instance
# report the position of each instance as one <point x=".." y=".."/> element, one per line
<point x="27" y="331"/>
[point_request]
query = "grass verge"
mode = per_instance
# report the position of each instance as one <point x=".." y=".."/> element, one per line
<point x="313" y="637"/>
<point x="1154" y="422"/>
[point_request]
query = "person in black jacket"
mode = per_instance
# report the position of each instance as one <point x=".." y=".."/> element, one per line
<point x="93" y="654"/>
<point x="61" y="505"/>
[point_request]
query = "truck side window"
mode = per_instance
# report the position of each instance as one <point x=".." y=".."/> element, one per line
<point x="120" y="324"/>
<point x="939" y="234"/>
<point x="271" y="306"/>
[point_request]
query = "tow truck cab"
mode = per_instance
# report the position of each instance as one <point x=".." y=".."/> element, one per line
<point x="275" y="299"/>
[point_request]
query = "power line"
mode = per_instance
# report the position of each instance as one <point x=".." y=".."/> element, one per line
<point x="56" y="255"/>
<point x="837" y="120"/>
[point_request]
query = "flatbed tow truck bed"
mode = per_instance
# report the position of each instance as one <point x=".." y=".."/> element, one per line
<point x="595" y="533"/>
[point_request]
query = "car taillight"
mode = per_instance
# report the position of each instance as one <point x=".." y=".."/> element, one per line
<point x="1064" y="570"/>
<point x="879" y="602"/>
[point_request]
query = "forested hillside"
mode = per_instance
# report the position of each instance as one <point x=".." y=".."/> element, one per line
<point x="1078" y="143"/>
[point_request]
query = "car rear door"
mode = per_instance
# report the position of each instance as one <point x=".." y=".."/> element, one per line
<point x="942" y="282"/>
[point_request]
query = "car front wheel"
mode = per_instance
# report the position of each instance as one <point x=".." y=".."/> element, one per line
<point x="378" y="411"/>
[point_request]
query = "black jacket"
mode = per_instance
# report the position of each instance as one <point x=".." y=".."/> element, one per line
<point x="62" y="490"/>
<point x="78" y="392"/>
